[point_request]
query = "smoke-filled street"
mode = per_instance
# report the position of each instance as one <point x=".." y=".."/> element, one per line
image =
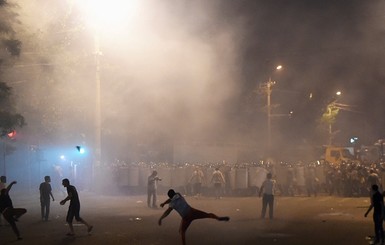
<point x="208" y="97"/>
<point x="128" y="220"/>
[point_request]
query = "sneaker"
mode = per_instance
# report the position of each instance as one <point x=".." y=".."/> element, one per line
<point x="224" y="218"/>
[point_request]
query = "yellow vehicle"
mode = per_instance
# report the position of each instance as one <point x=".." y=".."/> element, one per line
<point x="338" y="155"/>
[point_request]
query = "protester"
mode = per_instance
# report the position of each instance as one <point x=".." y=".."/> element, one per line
<point x="3" y="185"/>
<point x="3" y="182"/>
<point x="268" y="189"/>
<point x="377" y="203"/>
<point x="10" y="214"/>
<point x="45" y="200"/>
<point x="218" y="180"/>
<point x="196" y="180"/>
<point x="74" y="208"/>
<point x="176" y="201"/>
<point x="152" y="188"/>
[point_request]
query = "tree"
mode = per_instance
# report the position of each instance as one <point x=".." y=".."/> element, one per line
<point x="10" y="49"/>
<point x="54" y="67"/>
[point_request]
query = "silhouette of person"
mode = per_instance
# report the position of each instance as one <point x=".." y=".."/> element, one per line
<point x="196" y="180"/>
<point x="218" y="180"/>
<point x="3" y="185"/>
<point x="151" y="189"/>
<point x="10" y="214"/>
<point x="45" y="200"/>
<point x="189" y="214"/>
<point x="3" y="182"/>
<point x="74" y="208"/>
<point x="268" y="189"/>
<point x="377" y="203"/>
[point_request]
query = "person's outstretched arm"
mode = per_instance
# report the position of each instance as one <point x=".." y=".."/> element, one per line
<point x="369" y="209"/>
<point x="165" y="202"/>
<point x="10" y="185"/>
<point x="164" y="215"/>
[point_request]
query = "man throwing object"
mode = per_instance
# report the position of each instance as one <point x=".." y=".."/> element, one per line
<point x="176" y="201"/>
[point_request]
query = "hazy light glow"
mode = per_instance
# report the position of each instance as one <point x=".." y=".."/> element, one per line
<point x="338" y="93"/>
<point x="279" y="67"/>
<point x="107" y="15"/>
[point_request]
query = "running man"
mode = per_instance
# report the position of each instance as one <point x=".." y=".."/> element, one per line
<point x="189" y="214"/>
<point x="74" y="208"/>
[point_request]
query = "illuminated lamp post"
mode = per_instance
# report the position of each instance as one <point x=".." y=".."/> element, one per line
<point x="332" y="112"/>
<point x="268" y="87"/>
<point x="102" y="16"/>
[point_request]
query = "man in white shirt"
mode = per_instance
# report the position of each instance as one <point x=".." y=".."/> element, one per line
<point x="196" y="180"/>
<point x="218" y="180"/>
<point x="268" y="189"/>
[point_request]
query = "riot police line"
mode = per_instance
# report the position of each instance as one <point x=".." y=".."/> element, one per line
<point x="293" y="179"/>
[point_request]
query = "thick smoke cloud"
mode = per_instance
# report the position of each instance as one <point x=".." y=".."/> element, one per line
<point x="186" y="71"/>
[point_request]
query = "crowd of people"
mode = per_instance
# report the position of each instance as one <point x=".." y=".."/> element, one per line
<point x="346" y="179"/>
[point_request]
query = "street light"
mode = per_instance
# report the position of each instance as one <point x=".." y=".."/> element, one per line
<point x="332" y="111"/>
<point x="104" y="16"/>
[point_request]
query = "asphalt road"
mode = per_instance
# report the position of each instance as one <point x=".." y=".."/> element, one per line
<point x="127" y="220"/>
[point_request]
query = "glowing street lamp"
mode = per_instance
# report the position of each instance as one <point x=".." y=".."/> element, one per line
<point x="103" y="17"/>
<point x="332" y="112"/>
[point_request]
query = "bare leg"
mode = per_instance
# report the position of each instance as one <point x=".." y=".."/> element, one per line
<point x="18" y="212"/>
<point x="71" y="228"/>
<point x="89" y="227"/>
<point x="8" y="216"/>
<point x="198" y="214"/>
<point x="184" y="224"/>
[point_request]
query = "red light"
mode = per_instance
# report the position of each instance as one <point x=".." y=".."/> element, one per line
<point x="12" y="134"/>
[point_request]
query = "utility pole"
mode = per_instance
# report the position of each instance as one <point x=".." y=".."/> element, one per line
<point x="269" y="85"/>
<point x="267" y="88"/>
<point x="98" y="127"/>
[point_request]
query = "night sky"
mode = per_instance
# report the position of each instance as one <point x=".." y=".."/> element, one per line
<point x="324" y="46"/>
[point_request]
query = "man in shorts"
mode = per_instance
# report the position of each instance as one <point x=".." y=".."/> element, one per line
<point x="74" y="208"/>
<point x="176" y="201"/>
